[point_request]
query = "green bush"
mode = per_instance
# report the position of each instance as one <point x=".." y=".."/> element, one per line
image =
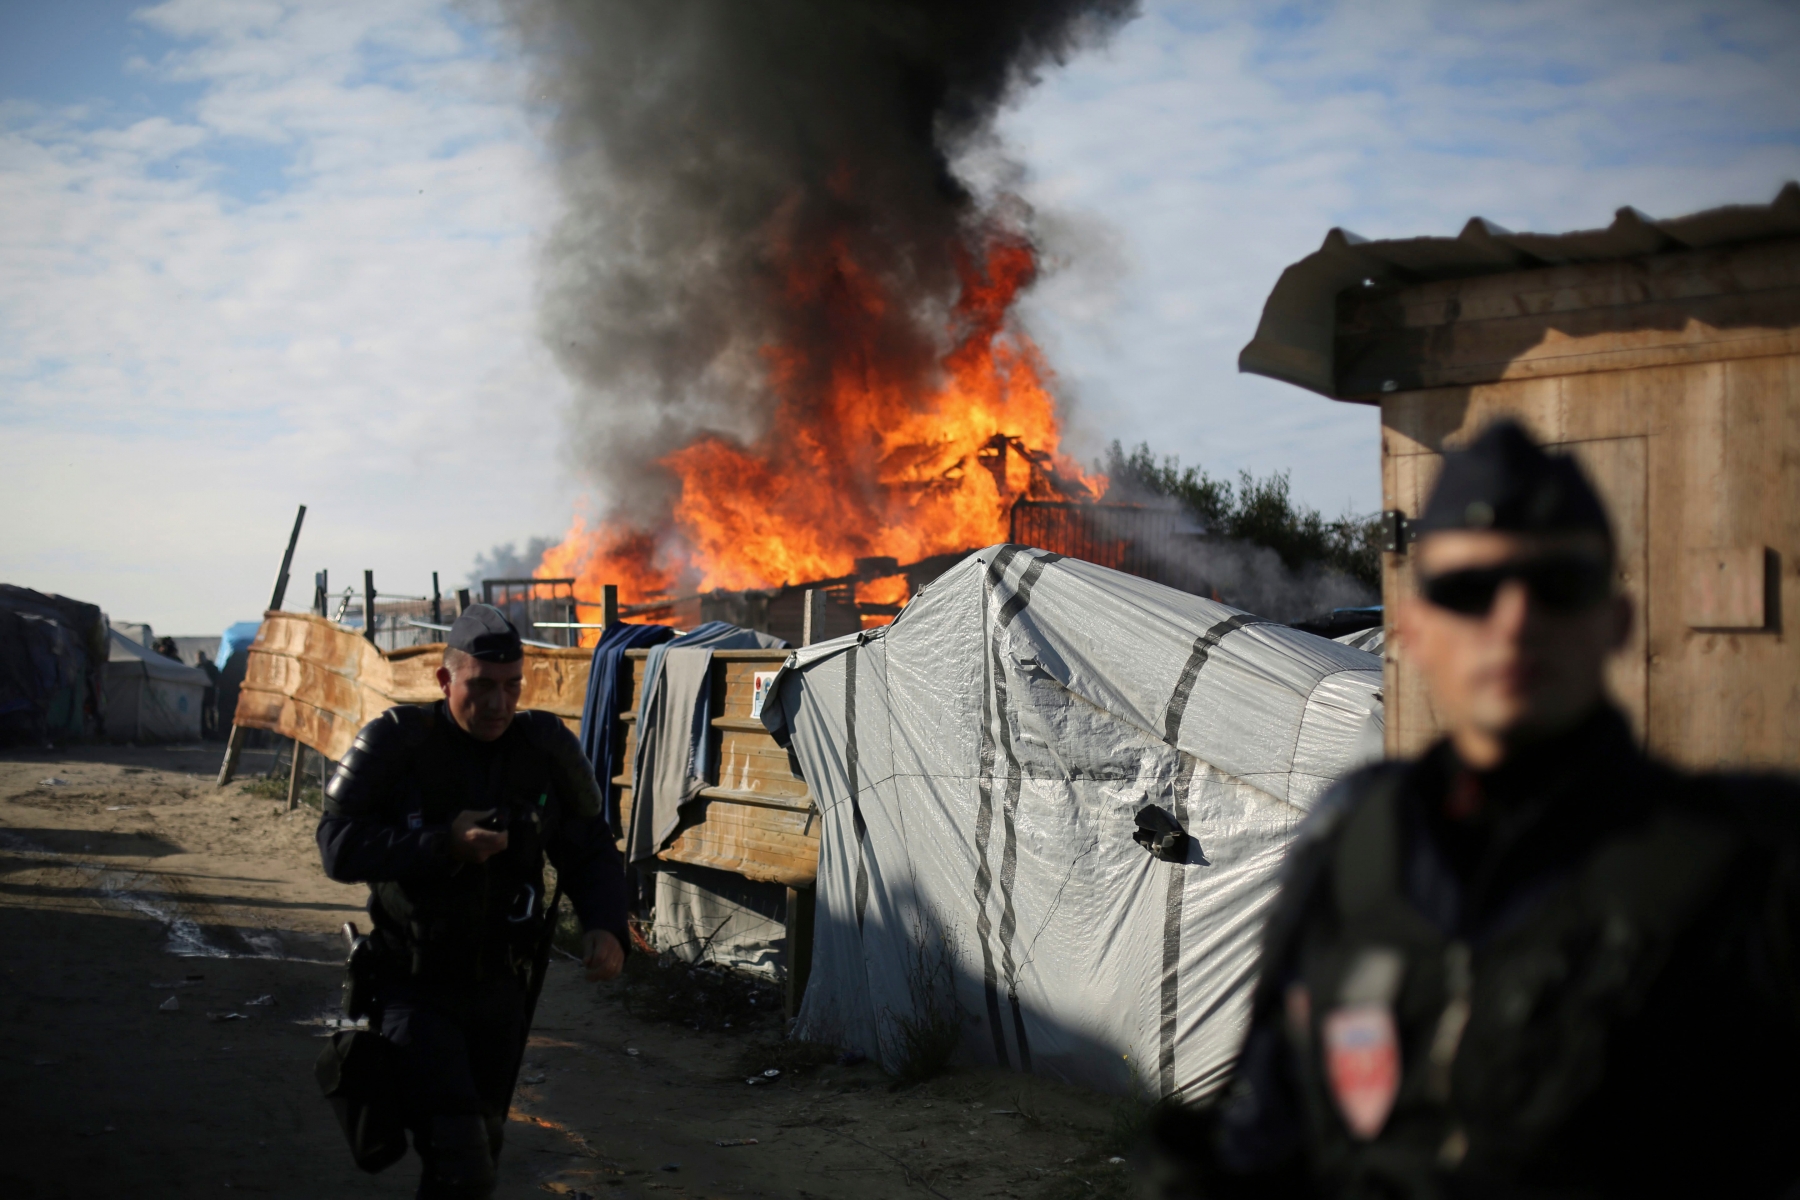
<point x="1260" y="511"/>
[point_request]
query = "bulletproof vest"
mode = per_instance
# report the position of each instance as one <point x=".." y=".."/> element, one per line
<point x="485" y="917"/>
<point x="1426" y="1061"/>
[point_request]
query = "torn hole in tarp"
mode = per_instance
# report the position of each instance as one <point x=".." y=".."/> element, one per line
<point x="1161" y="834"/>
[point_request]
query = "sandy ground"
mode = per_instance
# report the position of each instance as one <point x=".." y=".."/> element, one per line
<point x="127" y="879"/>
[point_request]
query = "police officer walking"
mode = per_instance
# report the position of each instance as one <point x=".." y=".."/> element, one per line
<point x="1532" y="962"/>
<point x="447" y="812"/>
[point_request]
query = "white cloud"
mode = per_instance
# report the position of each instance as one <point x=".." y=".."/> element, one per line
<point x="180" y="364"/>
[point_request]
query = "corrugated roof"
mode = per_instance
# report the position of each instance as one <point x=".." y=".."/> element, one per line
<point x="1294" y="340"/>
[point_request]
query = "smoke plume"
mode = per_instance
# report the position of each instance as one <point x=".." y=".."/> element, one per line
<point x="740" y="174"/>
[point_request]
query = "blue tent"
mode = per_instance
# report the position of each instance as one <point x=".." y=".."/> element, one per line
<point x="237" y="638"/>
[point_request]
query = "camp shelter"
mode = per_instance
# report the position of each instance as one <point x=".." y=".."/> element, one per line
<point x="52" y="650"/>
<point x="150" y="698"/>
<point x="1664" y="355"/>
<point x="978" y="768"/>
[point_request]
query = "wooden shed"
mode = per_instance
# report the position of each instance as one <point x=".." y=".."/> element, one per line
<point x="1665" y="356"/>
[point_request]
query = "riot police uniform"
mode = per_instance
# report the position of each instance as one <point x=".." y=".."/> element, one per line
<point x="1571" y="975"/>
<point x="453" y="940"/>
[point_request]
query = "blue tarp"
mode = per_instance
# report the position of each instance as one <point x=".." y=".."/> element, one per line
<point x="237" y="637"/>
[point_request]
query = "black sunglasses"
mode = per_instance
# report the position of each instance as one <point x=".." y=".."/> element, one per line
<point x="1559" y="583"/>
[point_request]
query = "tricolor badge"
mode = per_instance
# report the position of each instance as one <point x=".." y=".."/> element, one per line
<point x="1362" y="1064"/>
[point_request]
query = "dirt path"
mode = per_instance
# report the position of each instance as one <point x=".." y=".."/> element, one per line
<point x="132" y="881"/>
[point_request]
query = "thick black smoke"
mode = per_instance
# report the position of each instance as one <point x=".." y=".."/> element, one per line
<point x="708" y="148"/>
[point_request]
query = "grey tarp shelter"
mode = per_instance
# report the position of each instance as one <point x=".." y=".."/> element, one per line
<point x="150" y="698"/>
<point x="978" y="765"/>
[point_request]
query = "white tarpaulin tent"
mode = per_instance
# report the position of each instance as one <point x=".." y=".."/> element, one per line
<point x="978" y="766"/>
<point x="150" y="698"/>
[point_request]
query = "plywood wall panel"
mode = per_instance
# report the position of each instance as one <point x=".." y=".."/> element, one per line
<point x="1690" y="454"/>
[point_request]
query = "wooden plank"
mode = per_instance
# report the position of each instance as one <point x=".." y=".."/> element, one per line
<point x="1411" y="722"/>
<point x="1719" y="447"/>
<point x="309" y="678"/>
<point x="1743" y="269"/>
<point x="1731" y="473"/>
<point x="753" y="799"/>
<point x="1618" y="469"/>
<point x="1661" y="311"/>
<point x="739" y="724"/>
<point x="1725" y="587"/>
<point x="800" y="911"/>
<point x="757" y="843"/>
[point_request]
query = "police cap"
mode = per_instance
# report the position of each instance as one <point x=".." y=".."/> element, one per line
<point x="482" y="631"/>
<point x="1505" y="481"/>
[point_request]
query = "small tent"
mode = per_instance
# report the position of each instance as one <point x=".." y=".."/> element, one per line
<point x="150" y="698"/>
<point x="979" y="767"/>
<point x="51" y="652"/>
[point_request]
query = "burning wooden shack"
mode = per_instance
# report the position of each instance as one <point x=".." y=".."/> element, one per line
<point x="1665" y="356"/>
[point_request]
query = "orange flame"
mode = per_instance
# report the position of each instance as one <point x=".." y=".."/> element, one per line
<point x="860" y="460"/>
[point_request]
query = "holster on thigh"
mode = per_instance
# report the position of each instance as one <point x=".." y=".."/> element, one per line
<point x="356" y="1073"/>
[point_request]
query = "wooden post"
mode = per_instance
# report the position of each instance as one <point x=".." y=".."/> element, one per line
<point x="287" y="560"/>
<point x="812" y="620"/>
<point x="437" y="602"/>
<point x="609" y="604"/>
<point x="294" y="774"/>
<point x="369" y="606"/>
<point x="234" y="747"/>
<point x="462" y="601"/>
<point x="799" y="946"/>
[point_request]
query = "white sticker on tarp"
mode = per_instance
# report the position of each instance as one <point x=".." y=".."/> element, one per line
<point x="759" y="689"/>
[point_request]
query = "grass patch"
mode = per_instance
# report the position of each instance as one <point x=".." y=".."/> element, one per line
<point x="929" y="1033"/>
<point x="928" y="1040"/>
<point x="274" y="786"/>
<point x="1130" y="1122"/>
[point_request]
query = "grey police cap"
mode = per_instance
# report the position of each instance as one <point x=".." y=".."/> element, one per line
<point x="484" y="632"/>
<point x="1505" y="481"/>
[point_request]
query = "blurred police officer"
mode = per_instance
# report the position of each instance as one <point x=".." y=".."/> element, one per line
<point x="1532" y="962"/>
<point x="447" y="812"/>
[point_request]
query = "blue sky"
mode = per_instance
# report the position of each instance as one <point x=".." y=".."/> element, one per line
<point x="259" y="253"/>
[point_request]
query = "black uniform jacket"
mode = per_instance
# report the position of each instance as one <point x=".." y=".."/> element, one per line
<point x="1574" y="976"/>
<point x="386" y="822"/>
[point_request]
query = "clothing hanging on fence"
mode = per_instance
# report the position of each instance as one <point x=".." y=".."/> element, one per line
<point x="599" y="714"/>
<point x="674" y="710"/>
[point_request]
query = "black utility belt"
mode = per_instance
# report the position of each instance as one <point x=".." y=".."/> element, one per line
<point x="442" y="963"/>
